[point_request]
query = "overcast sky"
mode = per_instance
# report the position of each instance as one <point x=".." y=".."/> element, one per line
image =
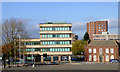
<point x="77" y="13"/>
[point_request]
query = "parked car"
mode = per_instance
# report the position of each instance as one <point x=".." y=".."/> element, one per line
<point x="114" y="61"/>
<point x="17" y="62"/>
<point x="54" y="63"/>
<point x="74" y="59"/>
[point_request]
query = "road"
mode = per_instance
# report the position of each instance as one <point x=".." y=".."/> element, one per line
<point x="71" y="66"/>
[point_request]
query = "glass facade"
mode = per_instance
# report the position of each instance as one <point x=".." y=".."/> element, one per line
<point x="55" y="42"/>
<point x="31" y="43"/>
<point x="56" y="29"/>
<point x="48" y="49"/>
<point x="55" y="35"/>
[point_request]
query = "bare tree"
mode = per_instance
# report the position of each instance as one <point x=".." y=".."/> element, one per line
<point x="11" y="28"/>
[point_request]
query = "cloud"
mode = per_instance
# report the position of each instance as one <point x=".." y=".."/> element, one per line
<point x="113" y="23"/>
<point x="77" y="26"/>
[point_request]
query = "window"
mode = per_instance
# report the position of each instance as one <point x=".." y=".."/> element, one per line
<point x="60" y="49"/>
<point x="58" y="28"/>
<point x="112" y="57"/>
<point x="68" y="49"/>
<point x="94" y="50"/>
<point x="53" y="29"/>
<point x="111" y="50"/>
<point x="94" y="58"/>
<point x="48" y="29"/>
<point x="63" y="35"/>
<point x="107" y="58"/>
<point x="48" y="42"/>
<point x="68" y="42"/>
<point x="68" y="35"/>
<point x="63" y="49"/>
<point x="55" y="49"/>
<point x="63" y="28"/>
<point x="68" y="28"/>
<point x="43" y="29"/>
<point x="43" y="50"/>
<point x="107" y="50"/>
<point x="90" y="50"/>
<point x="45" y="36"/>
<point x="50" y="35"/>
<point x="90" y="58"/>
<point x="100" y="50"/>
<point x="65" y="42"/>
<point x="53" y="42"/>
<point x="43" y="43"/>
<point x="60" y="36"/>
<point x="60" y="42"/>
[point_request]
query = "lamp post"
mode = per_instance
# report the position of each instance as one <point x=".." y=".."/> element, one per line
<point x="14" y="50"/>
<point x="23" y="55"/>
<point x="32" y="58"/>
<point x="32" y="55"/>
<point x="19" y="48"/>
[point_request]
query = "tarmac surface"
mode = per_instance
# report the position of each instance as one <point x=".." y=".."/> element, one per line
<point x="70" y="66"/>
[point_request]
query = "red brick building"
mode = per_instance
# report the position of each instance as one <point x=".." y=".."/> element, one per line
<point x="97" y="27"/>
<point x="101" y="51"/>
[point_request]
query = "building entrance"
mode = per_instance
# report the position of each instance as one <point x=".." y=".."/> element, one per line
<point x="64" y="58"/>
<point x="100" y="58"/>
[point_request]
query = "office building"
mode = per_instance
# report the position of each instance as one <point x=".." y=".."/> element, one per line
<point x="106" y="36"/>
<point x="55" y="42"/>
<point x="96" y="27"/>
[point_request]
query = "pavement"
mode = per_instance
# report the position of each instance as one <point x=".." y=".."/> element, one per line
<point x="70" y="66"/>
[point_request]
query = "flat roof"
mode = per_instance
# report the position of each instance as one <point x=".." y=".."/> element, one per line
<point x="55" y="23"/>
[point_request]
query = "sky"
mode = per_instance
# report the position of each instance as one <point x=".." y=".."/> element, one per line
<point x="77" y="13"/>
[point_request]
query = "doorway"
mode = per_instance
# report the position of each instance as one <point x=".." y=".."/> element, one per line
<point x="100" y="58"/>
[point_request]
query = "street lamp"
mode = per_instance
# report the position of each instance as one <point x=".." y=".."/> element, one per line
<point x="23" y="54"/>
<point x="32" y="58"/>
<point x="14" y="51"/>
<point x="19" y="47"/>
